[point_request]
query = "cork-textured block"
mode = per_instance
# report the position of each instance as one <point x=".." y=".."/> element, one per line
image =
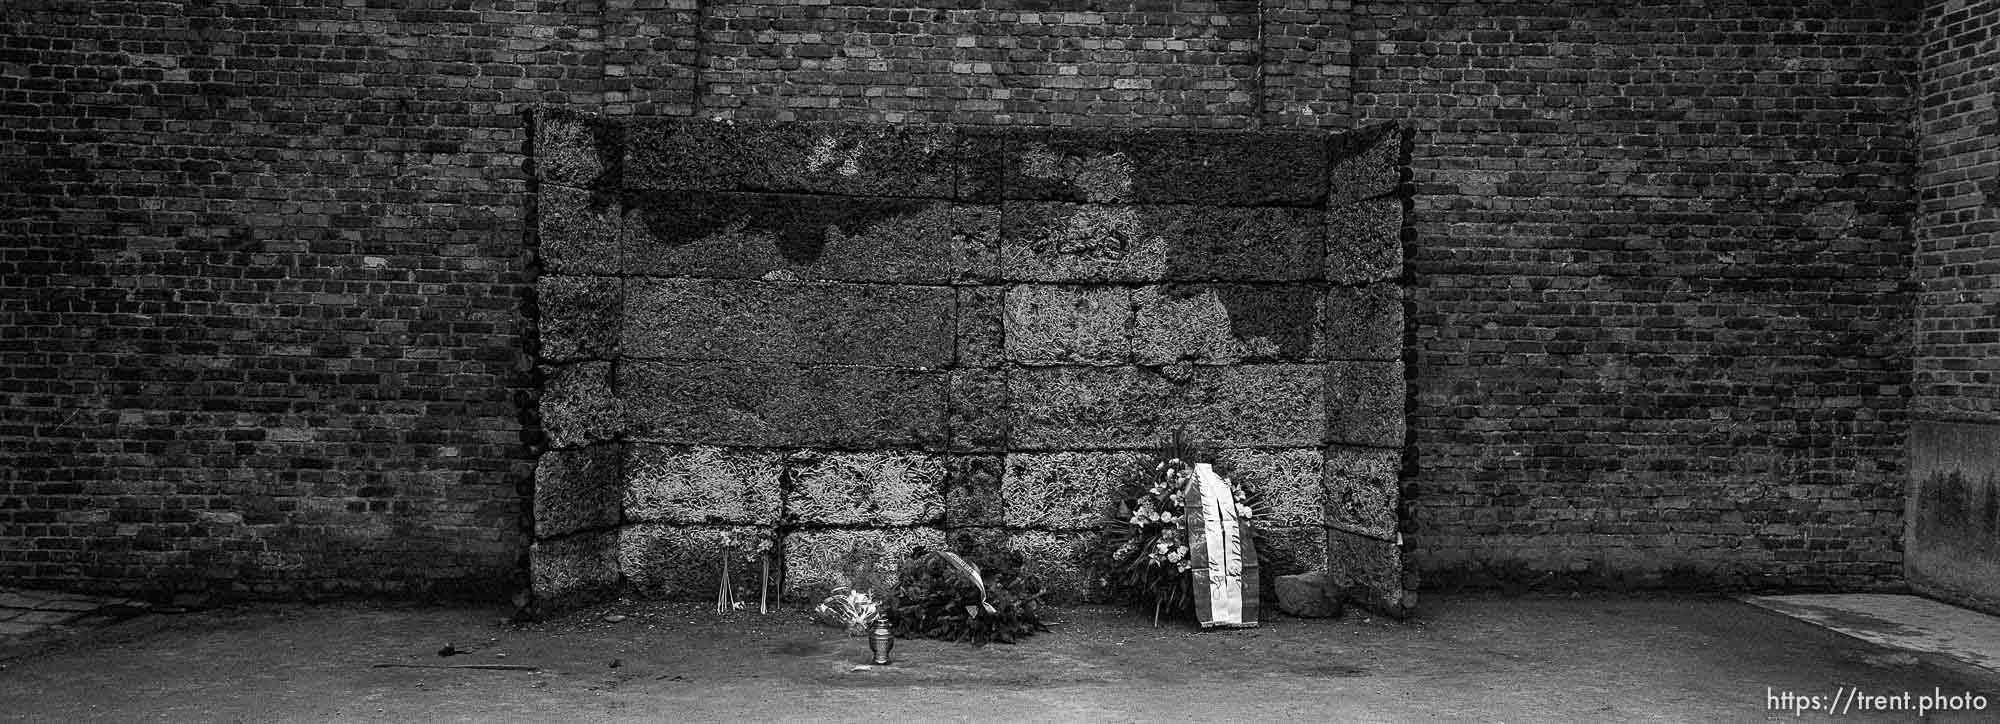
<point x="736" y="403"/>
<point x="579" y="316"/>
<point x="577" y="404"/>
<point x="1365" y="403"/>
<point x="1364" y="241"/>
<point x="972" y="491"/>
<point x="1172" y="167"/>
<point x="702" y="484"/>
<point x="981" y="326"/>
<point x="1280" y="405"/>
<point x="1369" y="572"/>
<point x="575" y="570"/>
<point x="1056" y="408"/>
<point x="1291" y="481"/>
<point x="808" y="237"/>
<point x="1064" y="490"/>
<point x="578" y="489"/>
<point x="821" y="157"/>
<point x="576" y="149"/>
<point x="1051" y="324"/>
<point x="1362" y="489"/>
<point x="1217" y="243"/>
<point x="1367" y="163"/>
<point x="717" y="319"/>
<point x="579" y="232"/>
<point x="865" y="488"/>
<point x="1225" y="323"/>
<point x="1057" y="242"/>
<point x="977" y="411"/>
<point x="1060" y="560"/>
<point x="684" y="562"/>
<point x="866" y="559"/>
<point x="982" y="166"/>
<point x="1363" y="323"/>
<point x="1286" y="550"/>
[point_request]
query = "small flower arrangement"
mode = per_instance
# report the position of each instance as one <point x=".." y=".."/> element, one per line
<point x="758" y="540"/>
<point x="1145" y="537"/>
<point x="847" y="608"/>
<point x="942" y="595"/>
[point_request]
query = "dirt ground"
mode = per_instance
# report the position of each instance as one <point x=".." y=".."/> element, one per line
<point x="1487" y="659"/>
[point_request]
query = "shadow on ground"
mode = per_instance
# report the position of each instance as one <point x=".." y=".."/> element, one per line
<point x="1582" y="659"/>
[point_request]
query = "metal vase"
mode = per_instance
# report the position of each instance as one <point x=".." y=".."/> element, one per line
<point x="880" y="642"/>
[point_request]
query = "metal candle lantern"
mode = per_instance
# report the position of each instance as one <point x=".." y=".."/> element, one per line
<point x="880" y="641"/>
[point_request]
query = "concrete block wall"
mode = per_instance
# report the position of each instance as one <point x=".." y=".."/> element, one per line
<point x="862" y="338"/>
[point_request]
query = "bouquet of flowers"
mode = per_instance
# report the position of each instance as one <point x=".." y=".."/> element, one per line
<point x="725" y="592"/>
<point x="850" y="609"/>
<point x="1146" y="534"/>
<point x="941" y="595"/>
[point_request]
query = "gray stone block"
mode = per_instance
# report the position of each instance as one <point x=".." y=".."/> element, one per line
<point x="1174" y="167"/>
<point x="1292" y="483"/>
<point x="573" y="571"/>
<point x="1225" y="323"/>
<point x="981" y="326"/>
<point x="579" y="232"/>
<point x="821" y="157"/>
<point x="1219" y="243"/>
<point x="1279" y="405"/>
<point x="972" y="494"/>
<point x="713" y="319"/>
<point x="1308" y="595"/>
<point x="703" y="484"/>
<point x="1368" y="572"/>
<point x="1362" y="489"/>
<point x="576" y="149"/>
<point x="975" y="244"/>
<point x="735" y="235"/>
<point x="578" y="489"/>
<point x="884" y="488"/>
<point x="1368" y="162"/>
<point x="579" y="317"/>
<point x="1287" y="550"/>
<point x="978" y="410"/>
<point x="1365" y="403"/>
<point x="684" y="562"/>
<point x="1060" y="560"/>
<point x="817" y="561"/>
<point x="1047" y="324"/>
<point x="1054" y="242"/>
<point x="1364" y="241"/>
<point x="577" y="404"/>
<point x="1363" y="323"/>
<point x="724" y="403"/>
<point x="1057" y="408"/>
<point x="1064" y="490"/>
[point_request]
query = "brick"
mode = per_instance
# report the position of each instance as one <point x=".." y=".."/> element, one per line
<point x="576" y="149"/>
<point x="1151" y="167"/>
<point x="580" y="232"/>
<point x="1053" y="408"/>
<point x="1290" y="481"/>
<point x="577" y="404"/>
<point x="731" y="403"/>
<point x="808" y="237"/>
<point x="1363" y="323"/>
<point x="579" y="317"/>
<point x="573" y="571"/>
<point x="702" y="484"/>
<point x="972" y="494"/>
<point x="1257" y="405"/>
<point x="1225" y="324"/>
<point x="1052" y="242"/>
<point x="1364" y="241"/>
<point x="981" y="328"/>
<point x="866" y="488"/>
<point x="1365" y="402"/>
<point x="867" y="559"/>
<point x="684" y="562"/>
<point x="578" y="489"/>
<point x="1362" y="487"/>
<point x="851" y="159"/>
<point x="1047" y="324"/>
<point x="1367" y="163"/>
<point x="868" y="324"/>
<point x="1064" y="490"/>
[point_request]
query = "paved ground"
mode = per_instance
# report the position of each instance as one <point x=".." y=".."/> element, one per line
<point x="27" y="615"/>
<point x="1913" y="623"/>
<point x="1533" y="659"/>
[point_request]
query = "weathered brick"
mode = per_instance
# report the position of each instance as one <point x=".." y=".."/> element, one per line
<point x="1184" y="167"/>
<point x="1054" y="408"/>
<point x="734" y="403"/>
<point x="852" y="159"/>
<point x="972" y="494"/>
<point x="578" y="489"/>
<point x="1291" y="482"/>
<point x="702" y="484"/>
<point x="808" y="237"/>
<point x="1064" y="490"/>
<point x="576" y="570"/>
<point x="817" y="561"/>
<point x="684" y="562"/>
<point x="1367" y="163"/>
<point x="865" y="488"/>
<point x="1362" y="490"/>
<point x="1363" y="323"/>
<point x="1256" y="405"/>
<point x="1364" y="403"/>
<point x="981" y="326"/>
<point x="580" y="232"/>
<point x="871" y="324"/>
<point x="978" y="410"/>
<point x="1048" y="324"/>
<point x="1225" y="324"/>
<point x="579" y="317"/>
<point x="577" y="404"/>
<point x="576" y="149"/>
<point x="1364" y="241"/>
